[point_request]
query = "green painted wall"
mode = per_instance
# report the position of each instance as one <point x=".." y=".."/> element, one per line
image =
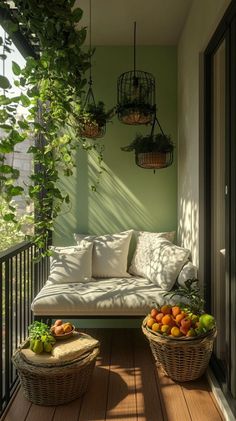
<point x="128" y="196"/>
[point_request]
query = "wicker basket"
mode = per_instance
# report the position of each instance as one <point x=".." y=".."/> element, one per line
<point x="182" y="359"/>
<point x="154" y="160"/>
<point x="55" y="385"/>
<point x="93" y="130"/>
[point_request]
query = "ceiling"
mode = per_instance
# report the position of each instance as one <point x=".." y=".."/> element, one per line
<point x="159" y="22"/>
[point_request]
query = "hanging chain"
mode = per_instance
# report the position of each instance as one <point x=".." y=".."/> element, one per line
<point x="134" y="49"/>
<point x="90" y="41"/>
<point x="155" y="120"/>
<point x="90" y="96"/>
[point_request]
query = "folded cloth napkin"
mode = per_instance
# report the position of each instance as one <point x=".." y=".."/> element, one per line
<point x="76" y="347"/>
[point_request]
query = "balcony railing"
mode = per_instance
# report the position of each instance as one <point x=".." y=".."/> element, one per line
<point x="21" y="277"/>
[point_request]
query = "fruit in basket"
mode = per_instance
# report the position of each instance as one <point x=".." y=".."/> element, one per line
<point x="156" y="327"/>
<point x="179" y="321"/>
<point x="176" y="310"/>
<point x="159" y="317"/>
<point x="165" y="329"/>
<point x="154" y="312"/>
<point x="179" y="317"/>
<point x="58" y="330"/>
<point x="58" y="323"/>
<point x="150" y="322"/>
<point x="166" y="309"/>
<point x="175" y="331"/>
<point x="207" y="321"/>
<point x="67" y="327"/>
<point x="186" y="323"/>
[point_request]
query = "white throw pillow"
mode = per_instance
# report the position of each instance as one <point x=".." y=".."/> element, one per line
<point x="163" y="262"/>
<point x="110" y="253"/>
<point x="146" y="240"/>
<point x="188" y="271"/>
<point x="71" y="264"/>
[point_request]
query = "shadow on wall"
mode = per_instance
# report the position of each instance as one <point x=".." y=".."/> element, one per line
<point x="114" y="207"/>
<point x="189" y="225"/>
<point x="132" y="199"/>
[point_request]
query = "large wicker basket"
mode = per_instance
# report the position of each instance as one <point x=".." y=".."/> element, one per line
<point x="55" y="385"/>
<point x="182" y="359"/>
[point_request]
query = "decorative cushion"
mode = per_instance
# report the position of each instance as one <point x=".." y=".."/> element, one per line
<point x="71" y="264"/>
<point x="163" y="262"/>
<point x="110" y="253"/>
<point x="188" y="271"/>
<point x="146" y="240"/>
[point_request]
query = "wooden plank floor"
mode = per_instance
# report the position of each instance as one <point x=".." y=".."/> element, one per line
<point x="126" y="386"/>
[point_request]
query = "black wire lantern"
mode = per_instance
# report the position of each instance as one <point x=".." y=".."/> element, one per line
<point x="94" y="125"/>
<point x="136" y="95"/>
<point x="160" y="154"/>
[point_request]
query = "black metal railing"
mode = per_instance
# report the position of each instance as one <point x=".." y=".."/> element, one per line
<point x="21" y="277"/>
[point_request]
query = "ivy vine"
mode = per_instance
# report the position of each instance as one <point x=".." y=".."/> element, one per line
<point x="51" y="87"/>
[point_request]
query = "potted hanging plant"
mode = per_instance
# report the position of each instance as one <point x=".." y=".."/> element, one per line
<point x="153" y="151"/>
<point x="94" y="120"/>
<point x="135" y="111"/>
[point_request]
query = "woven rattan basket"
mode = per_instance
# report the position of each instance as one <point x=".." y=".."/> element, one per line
<point x="55" y="385"/>
<point x="182" y="359"/>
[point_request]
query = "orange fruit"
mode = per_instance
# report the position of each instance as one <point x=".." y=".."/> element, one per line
<point x="166" y="309"/>
<point x="167" y="320"/>
<point x="150" y="322"/>
<point x="175" y="331"/>
<point x="159" y="317"/>
<point x="179" y="317"/>
<point x="156" y="327"/>
<point x="165" y="328"/>
<point x="175" y="310"/>
<point x="154" y="312"/>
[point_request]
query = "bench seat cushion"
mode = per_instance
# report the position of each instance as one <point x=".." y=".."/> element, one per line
<point x="104" y="297"/>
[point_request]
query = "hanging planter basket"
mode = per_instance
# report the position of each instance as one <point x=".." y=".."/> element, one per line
<point x="154" y="160"/>
<point x="153" y="151"/>
<point x="136" y="97"/>
<point x="92" y="130"/>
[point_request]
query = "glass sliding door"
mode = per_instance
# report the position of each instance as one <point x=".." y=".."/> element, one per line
<point x="219" y="186"/>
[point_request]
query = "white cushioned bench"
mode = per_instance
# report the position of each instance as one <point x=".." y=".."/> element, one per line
<point x="67" y="293"/>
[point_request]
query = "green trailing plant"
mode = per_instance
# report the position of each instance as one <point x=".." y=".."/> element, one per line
<point x="51" y="86"/>
<point x="150" y="143"/>
<point x="97" y="113"/>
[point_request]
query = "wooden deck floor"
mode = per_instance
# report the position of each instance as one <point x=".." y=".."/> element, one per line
<point x="126" y="385"/>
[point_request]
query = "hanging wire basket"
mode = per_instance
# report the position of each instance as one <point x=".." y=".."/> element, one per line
<point x="161" y="155"/>
<point x="91" y="127"/>
<point x="136" y="97"/>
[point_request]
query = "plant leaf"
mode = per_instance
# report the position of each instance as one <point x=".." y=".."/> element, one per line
<point x="4" y="82"/>
<point x="16" y="68"/>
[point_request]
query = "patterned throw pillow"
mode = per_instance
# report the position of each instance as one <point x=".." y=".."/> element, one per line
<point x="159" y="260"/>
<point x="145" y="240"/>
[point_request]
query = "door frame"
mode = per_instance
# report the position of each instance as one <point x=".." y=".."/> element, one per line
<point x="225" y="30"/>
